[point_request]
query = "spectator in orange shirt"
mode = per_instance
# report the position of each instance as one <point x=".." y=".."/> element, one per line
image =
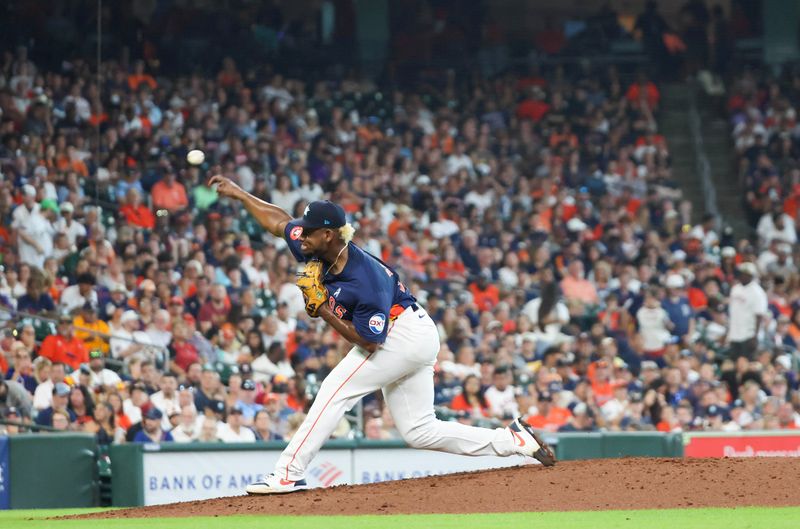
<point x="602" y="385"/>
<point x="643" y="89"/>
<point x="169" y="194"/>
<point x="450" y="267"/>
<point x="786" y="416"/>
<point x="486" y="296"/>
<point x="136" y="213"/>
<point x="472" y="398"/>
<point x="138" y="77"/>
<point x="65" y="347"/>
<point x="370" y="132"/>
<point x="535" y="107"/>
<point x="549" y="417"/>
<point x="401" y="221"/>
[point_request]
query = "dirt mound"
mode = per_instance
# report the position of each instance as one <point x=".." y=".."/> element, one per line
<point x="573" y="485"/>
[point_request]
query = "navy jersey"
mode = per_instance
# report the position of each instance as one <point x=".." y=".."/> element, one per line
<point x="364" y="292"/>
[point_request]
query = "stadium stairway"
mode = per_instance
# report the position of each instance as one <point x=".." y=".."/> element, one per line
<point x="675" y="126"/>
<point x="674" y="123"/>
<point x="721" y="157"/>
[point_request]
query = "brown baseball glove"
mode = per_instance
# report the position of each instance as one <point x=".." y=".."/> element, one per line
<point x="310" y="283"/>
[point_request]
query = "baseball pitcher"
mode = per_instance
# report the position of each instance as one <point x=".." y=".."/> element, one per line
<point x="395" y="344"/>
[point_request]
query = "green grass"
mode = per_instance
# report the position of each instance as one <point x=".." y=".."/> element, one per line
<point x="740" y="518"/>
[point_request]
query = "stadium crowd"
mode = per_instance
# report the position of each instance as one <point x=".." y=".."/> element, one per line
<point x="533" y="215"/>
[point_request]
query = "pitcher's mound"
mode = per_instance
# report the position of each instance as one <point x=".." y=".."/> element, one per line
<point x="598" y="484"/>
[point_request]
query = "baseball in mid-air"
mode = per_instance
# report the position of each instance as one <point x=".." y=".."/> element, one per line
<point x="195" y="157"/>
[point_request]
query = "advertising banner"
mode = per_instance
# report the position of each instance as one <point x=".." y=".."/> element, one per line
<point x="170" y="477"/>
<point x="185" y="476"/>
<point x="5" y="475"/>
<point x="742" y="445"/>
<point x="372" y="466"/>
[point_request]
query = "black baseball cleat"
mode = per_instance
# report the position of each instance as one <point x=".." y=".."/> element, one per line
<point x="530" y="444"/>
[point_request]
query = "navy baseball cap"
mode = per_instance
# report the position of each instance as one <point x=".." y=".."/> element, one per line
<point x="322" y="214"/>
<point x="154" y="414"/>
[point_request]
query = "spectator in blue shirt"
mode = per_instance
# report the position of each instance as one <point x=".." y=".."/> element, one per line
<point x="61" y="393"/>
<point x="36" y="300"/>
<point x="678" y="308"/>
<point x="151" y="431"/>
<point x="247" y="402"/>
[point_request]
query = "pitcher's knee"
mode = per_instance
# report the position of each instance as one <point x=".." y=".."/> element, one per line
<point x="421" y="436"/>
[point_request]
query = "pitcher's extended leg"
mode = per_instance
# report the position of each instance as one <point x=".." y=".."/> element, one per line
<point x="410" y="401"/>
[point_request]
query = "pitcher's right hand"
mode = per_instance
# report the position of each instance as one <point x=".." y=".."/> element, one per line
<point x="225" y="186"/>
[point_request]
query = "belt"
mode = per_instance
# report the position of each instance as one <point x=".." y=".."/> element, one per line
<point x="398" y="309"/>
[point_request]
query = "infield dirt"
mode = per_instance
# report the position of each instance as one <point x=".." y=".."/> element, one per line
<point x="601" y="484"/>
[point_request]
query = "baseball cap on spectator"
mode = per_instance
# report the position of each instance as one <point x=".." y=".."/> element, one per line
<point x="423" y="180"/>
<point x="322" y="214"/>
<point x="713" y="411"/>
<point x="728" y="252"/>
<point x="580" y="408"/>
<point x="748" y="268"/>
<point x="148" y="284"/>
<point x="154" y="414"/>
<point x="64" y="318"/>
<point x="649" y="364"/>
<point x="236" y="410"/>
<point x="248" y="385"/>
<point x="619" y="363"/>
<point x="89" y="306"/>
<point x="675" y="281"/>
<point x="194" y="264"/>
<point x="575" y="224"/>
<point x="545" y="396"/>
<point x="678" y="255"/>
<point x="217" y="406"/>
<point x="60" y="389"/>
<point x="270" y="397"/>
<point x="67" y="207"/>
<point x="28" y="190"/>
<point x="228" y="331"/>
<point x="49" y="204"/>
<point x="95" y="353"/>
<point x="176" y="300"/>
<point x="784" y="361"/>
<point x="86" y="279"/>
<point x="129" y="315"/>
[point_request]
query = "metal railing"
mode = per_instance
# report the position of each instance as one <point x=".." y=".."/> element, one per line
<point x="701" y="160"/>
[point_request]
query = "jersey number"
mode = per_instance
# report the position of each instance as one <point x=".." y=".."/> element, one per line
<point x="337" y="309"/>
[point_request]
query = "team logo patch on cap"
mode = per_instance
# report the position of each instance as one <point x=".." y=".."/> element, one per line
<point x="296" y="232"/>
<point x="377" y="322"/>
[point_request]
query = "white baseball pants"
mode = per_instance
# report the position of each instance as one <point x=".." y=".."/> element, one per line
<point x="403" y="369"/>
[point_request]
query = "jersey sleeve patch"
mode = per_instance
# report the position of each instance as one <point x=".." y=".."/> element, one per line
<point x="377" y="322"/>
<point x="291" y="235"/>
